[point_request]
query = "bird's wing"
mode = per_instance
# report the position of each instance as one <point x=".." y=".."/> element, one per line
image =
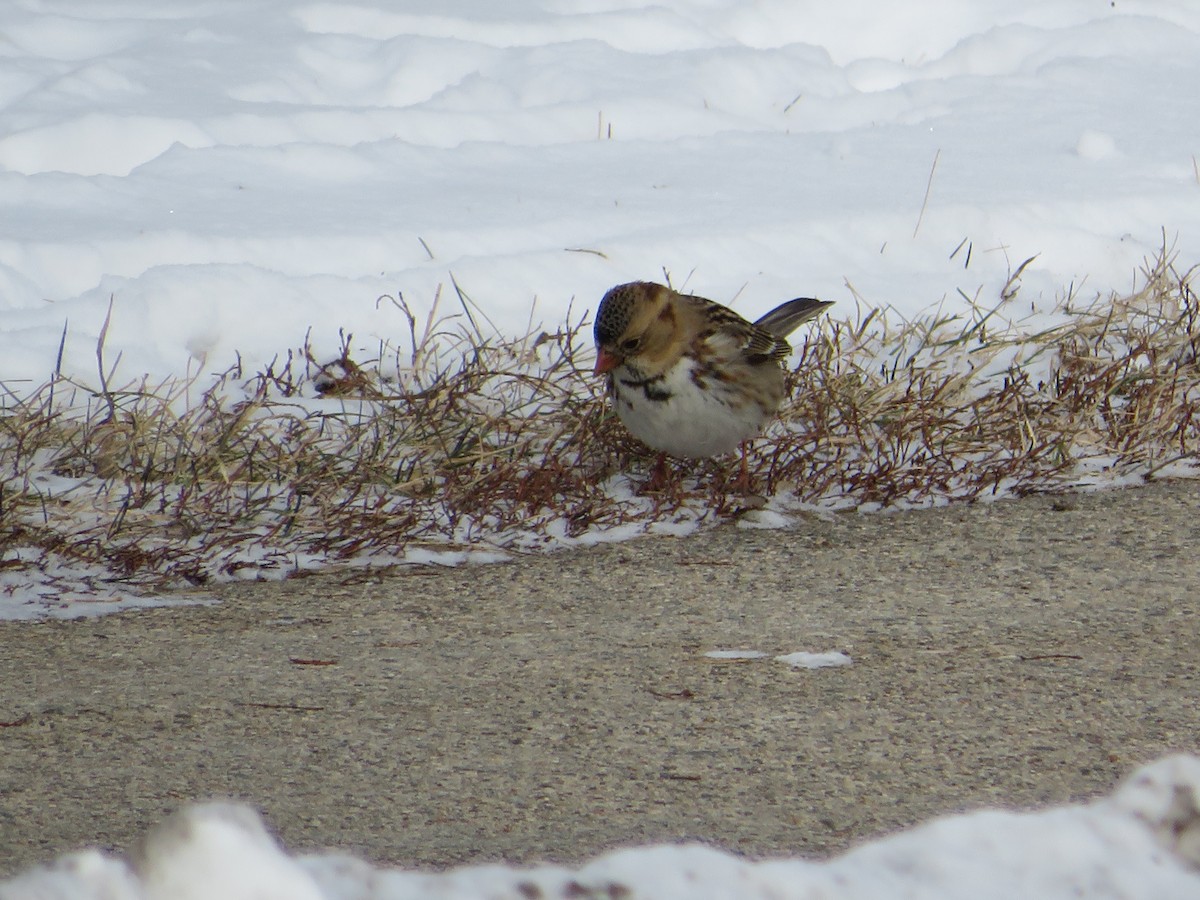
<point x="720" y="325"/>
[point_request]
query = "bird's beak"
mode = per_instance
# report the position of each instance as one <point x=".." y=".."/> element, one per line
<point x="605" y="362"/>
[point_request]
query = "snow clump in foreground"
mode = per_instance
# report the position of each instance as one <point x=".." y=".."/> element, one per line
<point x="1143" y="841"/>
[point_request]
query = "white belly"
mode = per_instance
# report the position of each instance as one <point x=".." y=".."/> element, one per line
<point x="691" y="422"/>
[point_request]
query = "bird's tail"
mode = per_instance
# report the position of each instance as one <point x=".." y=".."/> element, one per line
<point x="787" y="317"/>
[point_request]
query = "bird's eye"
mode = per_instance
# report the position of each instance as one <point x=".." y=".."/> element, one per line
<point x="630" y="345"/>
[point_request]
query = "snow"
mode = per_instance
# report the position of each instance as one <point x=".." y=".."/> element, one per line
<point x="735" y="654"/>
<point x="803" y="659"/>
<point x="45" y="588"/>
<point x="800" y="659"/>
<point x="236" y="175"/>
<point x="1141" y="842"/>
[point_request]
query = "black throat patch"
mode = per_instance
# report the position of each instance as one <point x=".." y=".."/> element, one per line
<point x="651" y="387"/>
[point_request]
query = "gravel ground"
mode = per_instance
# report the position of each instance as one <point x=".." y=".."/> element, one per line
<point x="1023" y="653"/>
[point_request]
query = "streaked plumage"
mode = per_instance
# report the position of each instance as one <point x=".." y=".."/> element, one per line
<point x="688" y="376"/>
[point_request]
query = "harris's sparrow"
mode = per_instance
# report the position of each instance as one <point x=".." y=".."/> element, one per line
<point x="690" y="377"/>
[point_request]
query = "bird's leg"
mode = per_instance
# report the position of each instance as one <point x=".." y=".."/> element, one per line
<point x="659" y="476"/>
<point x="742" y="483"/>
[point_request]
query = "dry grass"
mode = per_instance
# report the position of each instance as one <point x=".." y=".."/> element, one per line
<point x="476" y="439"/>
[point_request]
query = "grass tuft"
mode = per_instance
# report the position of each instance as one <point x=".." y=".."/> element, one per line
<point x="454" y="439"/>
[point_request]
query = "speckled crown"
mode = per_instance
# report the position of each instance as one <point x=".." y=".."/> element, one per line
<point x="612" y="318"/>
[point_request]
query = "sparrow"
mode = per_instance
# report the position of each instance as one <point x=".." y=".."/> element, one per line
<point x="688" y="376"/>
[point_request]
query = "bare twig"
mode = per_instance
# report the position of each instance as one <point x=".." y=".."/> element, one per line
<point x="928" y="188"/>
<point x="104" y="390"/>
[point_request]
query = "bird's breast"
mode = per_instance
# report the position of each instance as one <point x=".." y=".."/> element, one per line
<point x="688" y="411"/>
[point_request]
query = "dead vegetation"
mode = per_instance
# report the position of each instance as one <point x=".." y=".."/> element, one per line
<point x="462" y="440"/>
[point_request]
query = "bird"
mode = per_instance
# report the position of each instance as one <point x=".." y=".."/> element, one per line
<point x="687" y="376"/>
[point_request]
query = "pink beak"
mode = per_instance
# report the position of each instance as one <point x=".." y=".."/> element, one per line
<point x="605" y="362"/>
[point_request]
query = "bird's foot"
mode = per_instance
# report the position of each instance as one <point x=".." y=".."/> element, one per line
<point x="660" y="477"/>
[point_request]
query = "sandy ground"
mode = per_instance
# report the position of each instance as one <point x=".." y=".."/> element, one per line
<point x="1022" y="653"/>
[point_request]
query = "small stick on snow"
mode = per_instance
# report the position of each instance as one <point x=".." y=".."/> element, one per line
<point x="928" y="188"/>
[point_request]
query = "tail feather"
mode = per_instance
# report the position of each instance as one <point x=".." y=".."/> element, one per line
<point x="787" y="317"/>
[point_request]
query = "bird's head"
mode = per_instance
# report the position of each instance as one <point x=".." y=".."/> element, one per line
<point x="635" y="321"/>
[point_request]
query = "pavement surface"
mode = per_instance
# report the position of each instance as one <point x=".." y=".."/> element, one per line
<point x="1020" y="654"/>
